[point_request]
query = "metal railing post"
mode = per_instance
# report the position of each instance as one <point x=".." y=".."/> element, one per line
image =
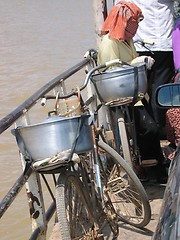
<point x="34" y="193"/>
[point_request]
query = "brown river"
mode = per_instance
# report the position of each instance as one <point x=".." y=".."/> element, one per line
<point x="39" y="40"/>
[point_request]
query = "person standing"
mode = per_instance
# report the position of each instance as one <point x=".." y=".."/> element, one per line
<point x="156" y="29"/>
<point x="117" y="32"/>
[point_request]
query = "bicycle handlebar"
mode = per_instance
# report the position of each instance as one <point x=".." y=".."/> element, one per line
<point x="113" y="62"/>
<point x="74" y="92"/>
<point x="143" y="42"/>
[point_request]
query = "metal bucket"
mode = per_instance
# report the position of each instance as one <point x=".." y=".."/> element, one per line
<point x="55" y="135"/>
<point x="121" y="82"/>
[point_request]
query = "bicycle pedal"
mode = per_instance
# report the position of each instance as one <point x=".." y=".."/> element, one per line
<point x="149" y="163"/>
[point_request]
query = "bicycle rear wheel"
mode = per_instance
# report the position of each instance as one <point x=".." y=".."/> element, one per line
<point x="74" y="212"/>
<point x="126" y="192"/>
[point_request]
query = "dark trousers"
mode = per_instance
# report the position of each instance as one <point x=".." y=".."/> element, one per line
<point x="161" y="73"/>
<point x="147" y="135"/>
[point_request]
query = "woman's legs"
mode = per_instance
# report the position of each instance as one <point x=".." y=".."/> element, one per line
<point x="149" y="142"/>
<point x="161" y="73"/>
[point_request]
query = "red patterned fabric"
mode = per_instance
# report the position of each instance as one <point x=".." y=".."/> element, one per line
<point x="173" y="127"/>
<point x="122" y="21"/>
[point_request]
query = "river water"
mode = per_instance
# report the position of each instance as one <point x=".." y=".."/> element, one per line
<point x="39" y="40"/>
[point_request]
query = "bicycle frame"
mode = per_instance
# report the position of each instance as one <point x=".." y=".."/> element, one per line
<point x="124" y="130"/>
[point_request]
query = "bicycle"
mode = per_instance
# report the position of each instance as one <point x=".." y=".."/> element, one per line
<point x="96" y="186"/>
<point x="119" y="89"/>
<point x="120" y="110"/>
<point x="119" y="174"/>
<point x="83" y="210"/>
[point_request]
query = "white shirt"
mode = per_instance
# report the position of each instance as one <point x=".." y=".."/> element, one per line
<point x="157" y="24"/>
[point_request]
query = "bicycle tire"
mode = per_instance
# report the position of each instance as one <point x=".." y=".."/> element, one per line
<point x="126" y="192"/>
<point x="74" y="213"/>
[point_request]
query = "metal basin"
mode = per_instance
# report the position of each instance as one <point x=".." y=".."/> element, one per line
<point x="120" y="82"/>
<point x="55" y="135"/>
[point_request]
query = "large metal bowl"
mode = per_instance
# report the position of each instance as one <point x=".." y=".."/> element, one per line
<point x="55" y="135"/>
<point x="120" y="83"/>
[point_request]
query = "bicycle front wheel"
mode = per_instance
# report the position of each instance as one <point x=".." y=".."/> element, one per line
<point x="126" y="192"/>
<point x="74" y="212"/>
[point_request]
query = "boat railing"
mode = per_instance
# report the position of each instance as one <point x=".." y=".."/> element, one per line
<point x="29" y="177"/>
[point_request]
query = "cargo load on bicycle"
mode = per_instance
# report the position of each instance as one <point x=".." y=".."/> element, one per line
<point x="121" y="84"/>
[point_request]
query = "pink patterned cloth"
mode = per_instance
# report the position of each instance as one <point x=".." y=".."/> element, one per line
<point x="173" y="127"/>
